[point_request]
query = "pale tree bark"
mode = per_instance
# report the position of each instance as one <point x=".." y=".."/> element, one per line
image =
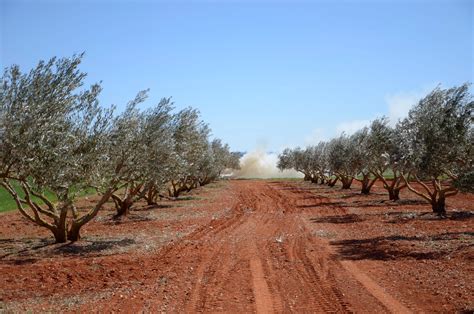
<point x="366" y="182"/>
<point x="346" y="181"/>
<point x="332" y="181"/>
<point x="436" y="195"/>
<point x="54" y="217"/>
<point x="393" y="186"/>
<point x="132" y="193"/>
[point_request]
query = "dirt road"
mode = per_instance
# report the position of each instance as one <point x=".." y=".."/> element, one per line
<point x="250" y="246"/>
<point x="262" y="258"/>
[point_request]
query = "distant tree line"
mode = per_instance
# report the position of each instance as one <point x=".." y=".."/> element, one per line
<point x="433" y="146"/>
<point x="55" y="137"/>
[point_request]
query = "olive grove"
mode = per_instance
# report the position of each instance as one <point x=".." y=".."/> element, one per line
<point x="432" y="146"/>
<point x="55" y="137"/>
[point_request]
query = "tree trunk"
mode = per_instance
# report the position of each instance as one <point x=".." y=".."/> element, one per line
<point x="123" y="210"/>
<point x="122" y="207"/>
<point x="206" y="181"/>
<point x="332" y="183"/>
<point x="151" y="195"/>
<point x="439" y="206"/>
<point x="367" y="184"/>
<point x="394" y="187"/>
<point x="307" y="177"/>
<point x="346" y="183"/>
<point x="365" y="189"/>
<point x="60" y="234"/>
<point x="60" y="223"/>
<point x="393" y="193"/>
<point x="74" y="232"/>
<point x="176" y="191"/>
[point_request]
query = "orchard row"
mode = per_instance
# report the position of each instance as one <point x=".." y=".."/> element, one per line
<point x="56" y="139"/>
<point x="433" y="146"/>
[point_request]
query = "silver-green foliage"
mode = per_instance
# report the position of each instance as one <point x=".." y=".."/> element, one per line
<point x="52" y="137"/>
<point x="55" y="137"/>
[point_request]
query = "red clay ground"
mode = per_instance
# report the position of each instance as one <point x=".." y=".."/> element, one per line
<point x="250" y="246"/>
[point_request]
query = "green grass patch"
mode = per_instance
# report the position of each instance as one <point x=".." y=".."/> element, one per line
<point x="6" y="200"/>
<point x="7" y="203"/>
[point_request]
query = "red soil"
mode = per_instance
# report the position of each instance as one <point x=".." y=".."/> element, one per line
<point x="250" y="246"/>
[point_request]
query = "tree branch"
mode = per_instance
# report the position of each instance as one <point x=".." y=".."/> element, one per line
<point x="17" y="199"/>
<point x="422" y="184"/>
<point x="415" y="191"/>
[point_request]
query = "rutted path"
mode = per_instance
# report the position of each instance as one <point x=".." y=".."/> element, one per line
<point x="262" y="258"/>
<point x="249" y="246"/>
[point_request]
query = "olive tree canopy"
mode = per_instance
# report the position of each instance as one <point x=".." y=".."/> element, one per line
<point x="52" y="138"/>
<point x="437" y="143"/>
<point x="341" y="159"/>
<point x="384" y="154"/>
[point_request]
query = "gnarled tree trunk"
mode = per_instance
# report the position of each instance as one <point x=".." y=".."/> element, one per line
<point x="132" y="194"/>
<point x="122" y="206"/>
<point x="151" y="195"/>
<point x="439" y="206"/>
<point x="393" y="193"/>
<point x="366" y="183"/>
<point x="51" y="216"/>
<point x="332" y="182"/>
<point x="436" y="196"/>
<point x="176" y="189"/>
<point x="346" y="182"/>
<point x="394" y="186"/>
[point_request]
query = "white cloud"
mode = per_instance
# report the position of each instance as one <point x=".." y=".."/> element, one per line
<point x="399" y="105"/>
<point x="396" y="107"/>
<point x="316" y="136"/>
<point x="350" y="127"/>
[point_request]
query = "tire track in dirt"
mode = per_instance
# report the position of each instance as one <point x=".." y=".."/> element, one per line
<point x="390" y="303"/>
<point x="386" y="299"/>
<point x="263" y="297"/>
<point x="311" y="277"/>
<point x="206" y="267"/>
<point x="239" y="238"/>
<point x="260" y="257"/>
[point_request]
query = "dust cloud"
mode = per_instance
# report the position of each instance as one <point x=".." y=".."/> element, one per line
<point x="262" y="165"/>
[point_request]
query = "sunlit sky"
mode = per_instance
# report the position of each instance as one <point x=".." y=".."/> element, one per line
<point x="262" y="73"/>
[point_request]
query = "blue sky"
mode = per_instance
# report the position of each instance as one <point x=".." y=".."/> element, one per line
<point x="272" y="73"/>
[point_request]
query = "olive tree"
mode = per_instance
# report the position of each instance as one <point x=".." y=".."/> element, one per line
<point x="125" y="146"/>
<point x="219" y="158"/>
<point x="384" y="156"/>
<point x="297" y="159"/>
<point x="159" y="150"/>
<point x="362" y="159"/>
<point x="322" y="164"/>
<point x="286" y="160"/>
<point x="311" y="162"/>
<point x="52" y="132"/>
<point x="437" y="143"/>
<point x="191" y="144"/>
<point x="340" y="158"/>
<point x="139" y="149"/>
